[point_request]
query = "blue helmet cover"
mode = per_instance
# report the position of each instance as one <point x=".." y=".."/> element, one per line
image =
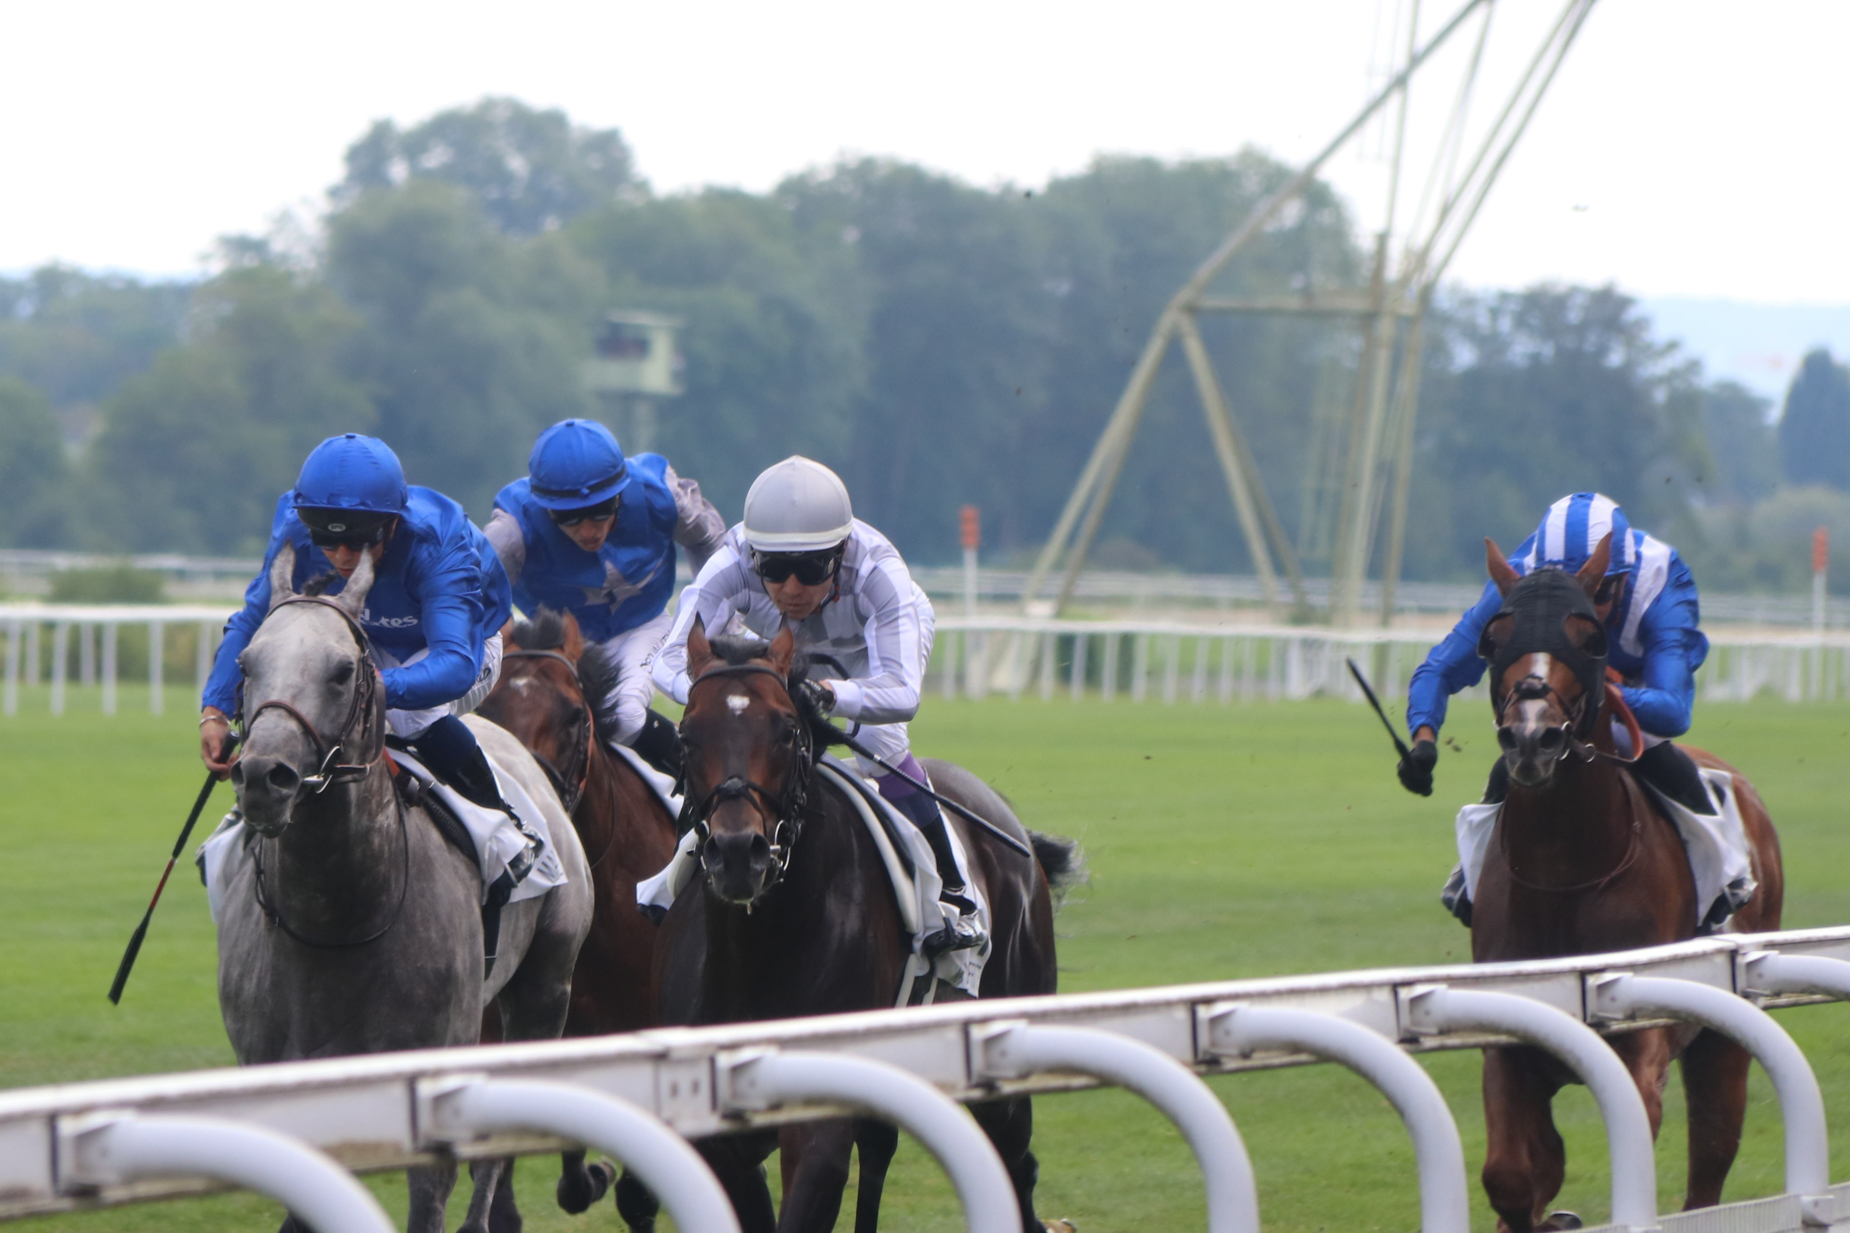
<point x="576" y="463"/>
<point x="1573" y="527"/>
<point x="352" y="472"/>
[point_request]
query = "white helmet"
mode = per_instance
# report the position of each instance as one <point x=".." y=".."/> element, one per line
<point x="798" y="505"/>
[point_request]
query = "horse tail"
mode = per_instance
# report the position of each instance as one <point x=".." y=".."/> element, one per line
<point x="1062" y="860"/>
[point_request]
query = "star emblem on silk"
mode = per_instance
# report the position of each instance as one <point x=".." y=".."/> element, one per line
<point x="617" y="589"/>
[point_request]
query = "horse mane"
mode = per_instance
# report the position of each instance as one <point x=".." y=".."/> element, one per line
<point x="320" y="585"/>
<point x="738" y="649"/>
<point x="597" y="676"/>
<point x="544" y="631"/>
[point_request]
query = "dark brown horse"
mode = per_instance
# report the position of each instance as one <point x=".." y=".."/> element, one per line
<point x="549" y="696"/>
<point x="1582" y="862"/>
<point x="793" y="913"/>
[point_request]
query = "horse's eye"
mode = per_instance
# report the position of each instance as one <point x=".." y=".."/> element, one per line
<point x="342" y="673"/>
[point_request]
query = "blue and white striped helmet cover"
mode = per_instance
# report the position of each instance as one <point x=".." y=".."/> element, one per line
<point x="1573" y="527"/>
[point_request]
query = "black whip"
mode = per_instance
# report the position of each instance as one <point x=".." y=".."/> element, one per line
<point x="1376" y="703"/>
<point x="141" y="930"/>
<point x="977" y="819"/>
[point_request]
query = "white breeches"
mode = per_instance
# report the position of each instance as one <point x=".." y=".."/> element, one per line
<point x="409" y="725"/>
<point x="630" y="653"/>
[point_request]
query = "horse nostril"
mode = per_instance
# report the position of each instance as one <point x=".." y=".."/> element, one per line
<point x="1506" y="737"/>
<point x="283" y="778"/>
<point x="1553" y="739"/>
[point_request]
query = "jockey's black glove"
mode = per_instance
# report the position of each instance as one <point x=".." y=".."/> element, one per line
<point x="814" y="703"/>
<point x="1415" y="768"/>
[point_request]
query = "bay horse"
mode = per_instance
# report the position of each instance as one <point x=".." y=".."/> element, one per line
<point x="793" y="913"/>
<point x="1582" y="861"/>
<point x="551" y="697"/>
<point x="353" y="926"/>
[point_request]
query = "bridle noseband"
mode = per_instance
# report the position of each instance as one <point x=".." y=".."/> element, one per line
<point x="365" y="709"/>
<point x="785" y="808"/>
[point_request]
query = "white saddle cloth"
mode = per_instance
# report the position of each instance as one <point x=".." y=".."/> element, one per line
<point x="662" y="785"/>
<point x="919" y="907"/>
<point x="1717" y="844"/>
<point x="497" y="839"/>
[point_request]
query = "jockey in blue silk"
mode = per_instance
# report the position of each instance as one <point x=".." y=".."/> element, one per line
<point x="433" y="616"/>
<point x="593" y="533"/>
<point x="1649" y="604"/>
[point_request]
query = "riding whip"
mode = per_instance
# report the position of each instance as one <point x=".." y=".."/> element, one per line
<point x="1376" y="703"/>
<point x="948" y="803"/>
<point x="141" y="930"/>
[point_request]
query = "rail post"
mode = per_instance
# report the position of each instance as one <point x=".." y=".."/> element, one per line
<point x="1015" y="1050"/>
<point x="761" y="1078"/>
<point x="1766" y="973"/>
<point x="1621" y="995"/>
<point x="1445" y="1204"/>
<point x="113" y="1148"/>
<point x="1436" y="1009"/>
<point x="463" y="1107"/>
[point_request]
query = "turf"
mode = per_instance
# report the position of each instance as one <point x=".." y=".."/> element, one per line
<point x="1223" y="842"/>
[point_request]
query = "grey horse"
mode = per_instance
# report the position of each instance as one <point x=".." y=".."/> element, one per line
<point x="352" y="926"/>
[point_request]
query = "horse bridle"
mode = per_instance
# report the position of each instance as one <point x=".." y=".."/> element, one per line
<point x="364" y="709"/>
<point x="571" y="790"/>
<point x="1535" y="689"/>
<point x="785" y="808"/>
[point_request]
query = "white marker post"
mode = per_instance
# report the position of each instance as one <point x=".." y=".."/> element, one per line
<point x="976" y="654"/>
<point x="1820" y="558"/>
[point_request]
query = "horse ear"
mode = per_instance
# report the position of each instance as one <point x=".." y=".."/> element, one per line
<point x="699" y="650"/>
<point x="1501" y="571"/>
<point x="282" y="576"/>
<point x="1593" y="573"/>
<point x="507" y="636"/>
<point x="783" y="650"/>
<point x="573" y="642"/>
<point x="352" y="596"/>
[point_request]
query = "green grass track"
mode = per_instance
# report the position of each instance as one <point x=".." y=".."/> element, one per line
<point x="1224" y="842"/>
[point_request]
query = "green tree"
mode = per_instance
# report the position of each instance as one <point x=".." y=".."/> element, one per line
<point x="75" y="336"/>
<point x="473" y="339"/>
<point x="528" y="170"/>
<point x="33" y="472"/>
<point x="1814" y="429"/>
<point x="193" y="453"/>
<point x="1743" y="443"/>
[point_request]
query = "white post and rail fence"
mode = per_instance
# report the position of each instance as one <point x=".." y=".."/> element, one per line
<point x="55" y="647"/>
<point x="299" y="1131"/>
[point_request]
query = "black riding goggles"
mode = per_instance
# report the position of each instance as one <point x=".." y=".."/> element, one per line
<point x="584" y="513"/>
<point x="343" y="528"/>
<point x="809" y="568"/>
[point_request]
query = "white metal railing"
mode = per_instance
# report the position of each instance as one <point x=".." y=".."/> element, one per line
<point x="132" y="1139"/>
<point x="1138" y="660"/>
<point x="1176" y="662"/>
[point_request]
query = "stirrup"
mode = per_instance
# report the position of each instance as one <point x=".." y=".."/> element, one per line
<point x="959" y="933"/>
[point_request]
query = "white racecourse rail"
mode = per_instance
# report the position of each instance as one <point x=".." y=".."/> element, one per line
<point x="295" y="1130"/>
<point x="1138" y="660"/>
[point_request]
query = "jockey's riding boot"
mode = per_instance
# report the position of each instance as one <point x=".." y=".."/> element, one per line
<point x="659" y="744"/>
<point x="961" y="929"/>
<point x="1671" y="771"/>
<point x="450" y="752"/>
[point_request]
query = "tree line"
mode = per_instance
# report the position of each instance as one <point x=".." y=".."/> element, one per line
<point x="940" y="344"/>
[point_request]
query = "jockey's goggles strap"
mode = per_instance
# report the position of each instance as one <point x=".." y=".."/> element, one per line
<point x="568" y="518"/>
<point x="350" y="528"/>
<point x="1541" y="605"/>
<point x="811" y="568"/>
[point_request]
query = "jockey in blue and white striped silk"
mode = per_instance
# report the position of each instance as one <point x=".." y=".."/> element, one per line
<point x="1649" y="604"/>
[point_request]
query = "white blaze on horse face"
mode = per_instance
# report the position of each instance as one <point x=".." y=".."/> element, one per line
<point x="1533" y="712"/>
<point x="736" y="703"/>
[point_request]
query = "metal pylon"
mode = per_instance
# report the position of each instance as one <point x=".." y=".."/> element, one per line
<point x="1390" y="312"/>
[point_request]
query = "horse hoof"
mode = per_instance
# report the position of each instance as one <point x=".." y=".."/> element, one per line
<point x="1563" y="1220"/>
<point x="576" y="1197"/>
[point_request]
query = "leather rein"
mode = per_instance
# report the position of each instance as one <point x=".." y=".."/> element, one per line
<point x="367" y="710"/>
<point x="785" y="808"/>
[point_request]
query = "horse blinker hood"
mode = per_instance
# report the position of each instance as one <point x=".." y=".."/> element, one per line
<point x="1541" y="603"/>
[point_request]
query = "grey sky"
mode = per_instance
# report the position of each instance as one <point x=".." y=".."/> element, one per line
<point x="1688" y="148"/>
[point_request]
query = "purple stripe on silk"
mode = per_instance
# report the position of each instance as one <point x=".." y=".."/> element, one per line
<point x="895" y="788"/>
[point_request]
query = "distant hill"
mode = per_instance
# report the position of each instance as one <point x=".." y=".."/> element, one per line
<point x="1759" y="345"/>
